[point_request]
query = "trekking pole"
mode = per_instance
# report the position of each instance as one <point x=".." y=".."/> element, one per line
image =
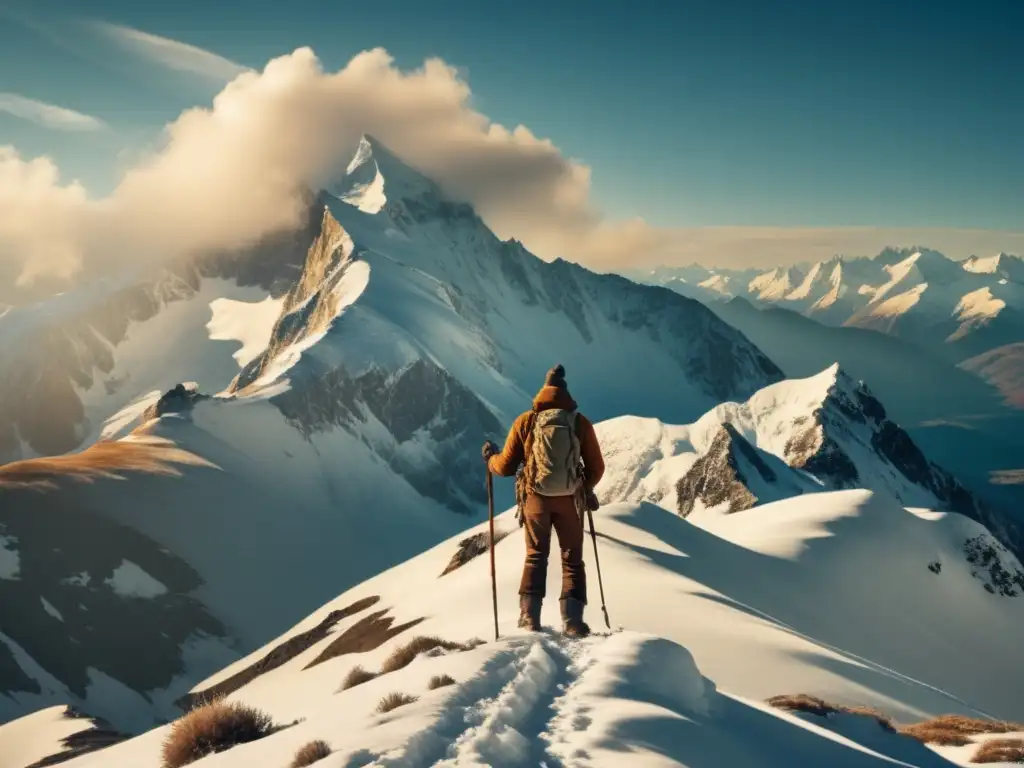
<point x="597" y="561"/>
<point x="494" y="579"/>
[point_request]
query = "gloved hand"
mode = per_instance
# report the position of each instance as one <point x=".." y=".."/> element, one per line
<point x="489" y="449"/>
<point x="592" y="503"/>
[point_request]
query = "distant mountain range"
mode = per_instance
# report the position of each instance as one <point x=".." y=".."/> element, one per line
<point x="958" y="309"/>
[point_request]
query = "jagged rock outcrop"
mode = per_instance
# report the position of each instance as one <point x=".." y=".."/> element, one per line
<point x="990" y="564"/>
<point x="716" y="479"/>
<point x="180" y="399"/>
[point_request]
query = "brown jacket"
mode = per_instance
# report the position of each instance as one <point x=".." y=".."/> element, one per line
<point x="507" y="462"/>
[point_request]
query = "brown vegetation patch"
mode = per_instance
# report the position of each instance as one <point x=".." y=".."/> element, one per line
<point x="211" y="728"/>
<point x="279" y="655"/>
<point x="472" y="547"/>
<point x="945" y="730"/>
<point x="404" y="655"/>
<point x="956" y="730"/>
<point x="440" y="681"/>
<point x="357" y="676"/>
<point x="394" y="701"/>
<point x="312" y="752"/>
<point x="107" y="459"/>
<point x="1000" y="751"/>
<point x="812" y="705"/>
<point x="366" y="634"/>
<point x="98" y="737"/>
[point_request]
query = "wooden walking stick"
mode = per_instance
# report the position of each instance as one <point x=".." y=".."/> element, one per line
<point x="494" y="578"/>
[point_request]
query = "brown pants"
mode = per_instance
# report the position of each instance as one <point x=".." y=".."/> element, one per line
<point x="540" y="515"/>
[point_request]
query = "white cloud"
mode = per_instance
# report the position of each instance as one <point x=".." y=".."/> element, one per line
<point x="48" y="115"/>
<point x="172" y="54"/>
<point x="231" y="173"/>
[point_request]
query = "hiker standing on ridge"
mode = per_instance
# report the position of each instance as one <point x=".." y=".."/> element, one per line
<point x="558" y="459"/>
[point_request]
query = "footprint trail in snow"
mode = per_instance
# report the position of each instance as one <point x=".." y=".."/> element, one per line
<point x="513" y="713"/>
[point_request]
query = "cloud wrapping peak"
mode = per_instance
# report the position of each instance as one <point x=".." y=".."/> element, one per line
<point x="172" y="54"/>
<point x="48" y="115"/>
<point x="232" y="173"/>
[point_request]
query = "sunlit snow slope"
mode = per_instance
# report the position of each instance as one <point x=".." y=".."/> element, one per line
<point x="833" y="595"/>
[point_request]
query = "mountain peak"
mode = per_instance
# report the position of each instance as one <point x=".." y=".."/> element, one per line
<point x="1006" y="265"/>
<point x="375" y="175"/>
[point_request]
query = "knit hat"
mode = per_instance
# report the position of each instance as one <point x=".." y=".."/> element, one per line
<point x="556" y="377"/>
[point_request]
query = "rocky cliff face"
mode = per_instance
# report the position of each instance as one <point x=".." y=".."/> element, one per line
<point x="432" y="425"/>
<point x="716" y="479"/>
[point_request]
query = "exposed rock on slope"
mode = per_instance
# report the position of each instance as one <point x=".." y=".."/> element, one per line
<point x="724" y="476"/>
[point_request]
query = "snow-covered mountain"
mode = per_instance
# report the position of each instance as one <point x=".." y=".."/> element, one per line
<point x="843" y="595"/>
<point x="894" y="367"/>
<point x="326" y="431"/>
<point x="826" y="432"/>
<point x="69" y="363"/>
<point x="958" y="308"/>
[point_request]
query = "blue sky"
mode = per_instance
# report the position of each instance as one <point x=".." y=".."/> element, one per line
<point x="821" y="114"/>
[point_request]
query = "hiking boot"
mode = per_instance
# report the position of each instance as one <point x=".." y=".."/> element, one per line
<point x="572" y="618"/>
<point x="529" y="612"/>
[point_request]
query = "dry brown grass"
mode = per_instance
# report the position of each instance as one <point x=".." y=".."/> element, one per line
<point x="214" y="727"/>
<point x="368" y="633"/>
<point x="357" y="676"/>
<point x="106" y="459"/>
<point x="404" y="655"/>
<point x="394" y="701"/>
<point x="472" y="547"/>
<point x="956" y="730"/>
<point x="440" y="681"/>
<point x="311" y="753"/>
<point x="1000" y="751"/>
<point x="812" y="705"/>
<point x="801" y="702"/>
<point x="883" y="720"/>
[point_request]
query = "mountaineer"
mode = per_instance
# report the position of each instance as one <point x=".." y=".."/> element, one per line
<point x="554" y="454"/>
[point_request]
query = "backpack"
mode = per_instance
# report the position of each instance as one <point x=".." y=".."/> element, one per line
<point x="552" y="465"/>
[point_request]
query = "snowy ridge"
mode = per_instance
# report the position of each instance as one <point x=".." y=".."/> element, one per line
<point x="797" y="436"/>
<point x="719" y="619"/>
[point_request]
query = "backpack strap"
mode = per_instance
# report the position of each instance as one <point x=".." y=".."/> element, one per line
<point x="522" y="482"/>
